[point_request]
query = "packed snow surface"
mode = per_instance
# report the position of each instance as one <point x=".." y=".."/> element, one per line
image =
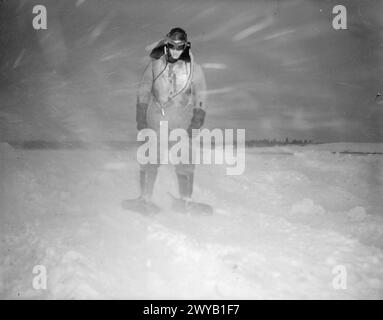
<point x="281" y="230"/>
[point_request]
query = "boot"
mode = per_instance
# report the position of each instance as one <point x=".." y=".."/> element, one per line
<point x="147" y="181"/>
<point x="143" y="203"/>
<point x="185" y="189"/>
<point x="185" y="185"/>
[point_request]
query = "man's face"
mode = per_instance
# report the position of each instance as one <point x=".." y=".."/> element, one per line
<point x="176" y="48"/>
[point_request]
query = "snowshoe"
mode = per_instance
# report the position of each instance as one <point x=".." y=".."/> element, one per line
<point x="191" y="207"/>
<point x="140" y="205"/>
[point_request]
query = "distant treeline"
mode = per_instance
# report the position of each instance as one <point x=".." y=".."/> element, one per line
<point x="275" y="142"/>
<point x="266" y="142"/>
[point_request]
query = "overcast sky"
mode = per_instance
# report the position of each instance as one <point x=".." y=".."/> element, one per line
<point x="287" y="72"/>
<point x="276" y="68"/>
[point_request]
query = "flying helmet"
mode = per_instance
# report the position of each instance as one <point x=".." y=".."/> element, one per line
<point x="177" y="39"/>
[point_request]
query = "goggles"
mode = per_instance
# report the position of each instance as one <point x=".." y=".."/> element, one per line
<point x="176" y="46"/>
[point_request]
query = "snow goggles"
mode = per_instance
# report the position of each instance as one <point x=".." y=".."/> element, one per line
<point x="175" y="46"/>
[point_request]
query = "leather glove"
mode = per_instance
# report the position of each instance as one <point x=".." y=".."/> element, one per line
<point x="197" y="120"/>
<point x="141" y="110"/>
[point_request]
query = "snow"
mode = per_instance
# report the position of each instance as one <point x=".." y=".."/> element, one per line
<point x="279" y="229"/>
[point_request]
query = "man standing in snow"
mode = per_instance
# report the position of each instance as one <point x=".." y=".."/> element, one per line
<point x="173" y="90"/>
